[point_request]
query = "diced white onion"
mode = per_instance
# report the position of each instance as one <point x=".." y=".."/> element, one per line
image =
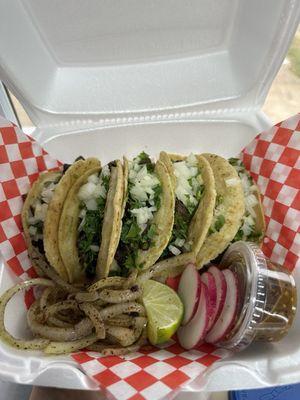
<point x="143" y="183"/>
<point x="105" y="171"/>
<point x="32" y="230"/>
<point x="174" y="250"/>
<point x="192" y="160"/>
<point x="99" y="191"/>
<point x="114" y="266"/>
<point x="93" y="179"/>
<point x="251" y="200"/>
<point x="187" y="246"/>
<point x="249" y="189"/>
<point x="248" y="225"/>
<point x="187" y="171"/>
<point x="82" y="213"/>
<point x="143" y="215"/>
<point x="80" y="226"/>
<point x="86" y="191"/>
<point x="179" y="242"/>
<point x="40" y="211"/>
<point x="32" y="220"/>
<point x="138" y="192"/>
<point x="232" y="182"/>
<point x="91" y="204"/>
<point x="93" y="189"/>
<point x="94" y="248"/>
<point x="48" y="191"/>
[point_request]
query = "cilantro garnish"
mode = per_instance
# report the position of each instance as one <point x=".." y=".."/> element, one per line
<point x="219" y="200"/>
<point x="90" y="233"/>
<point x="157" y="196"/>
<point x="39" y="225"/>
<point x="219" y="223"/>
<point x="144" y="159"/>
<point x="255" y="236"/>
<point x="182" y="219"/>
<point x="239" y="235"/>
<point x="132" y="238"/>
<point x="234" y="161"/>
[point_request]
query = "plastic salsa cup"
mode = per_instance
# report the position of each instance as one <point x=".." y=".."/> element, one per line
<point x="267" y="301"/>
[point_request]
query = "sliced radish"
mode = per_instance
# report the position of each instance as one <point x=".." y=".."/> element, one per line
<point x="221" y="288"/>
<point x="209" y="280"/>
<point x="173" y="282"/>
<point x="189" y="290"/>
<point x="226" y="319"/>
<point x="193" y="333"/>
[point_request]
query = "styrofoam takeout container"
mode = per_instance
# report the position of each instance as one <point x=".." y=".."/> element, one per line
<point x="107" y="78"/>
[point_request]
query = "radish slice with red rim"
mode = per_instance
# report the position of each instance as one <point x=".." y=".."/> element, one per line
<point x="189" y="290"/>
<point x="209" y="280"/>
<point x="192" y="334"/>
<point x="221" y="288"/>
<point x="227" y="317"/>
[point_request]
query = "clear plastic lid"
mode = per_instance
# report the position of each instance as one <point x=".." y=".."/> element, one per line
<point x="267" y="301"/>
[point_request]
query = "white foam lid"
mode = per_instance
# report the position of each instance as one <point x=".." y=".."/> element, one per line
<point x="68" y="59"/>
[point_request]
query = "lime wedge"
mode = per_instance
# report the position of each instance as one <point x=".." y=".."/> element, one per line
<point x="164" y="311"/>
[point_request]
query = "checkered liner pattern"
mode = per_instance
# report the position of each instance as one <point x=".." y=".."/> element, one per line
<point x="273" y="159"/>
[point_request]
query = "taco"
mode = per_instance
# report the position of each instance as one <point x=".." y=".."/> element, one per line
<point x="195" y="196"/>
<point x="148" y="214"/>
<point x="90" y="222"/>
<point x="54" y="210"/>
<point x="253" y="222"/>
<point x="228" y="212"/>
<point x="34" y="213"/>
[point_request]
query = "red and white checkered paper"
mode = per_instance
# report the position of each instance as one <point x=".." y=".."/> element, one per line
<point x="273" y="159"/>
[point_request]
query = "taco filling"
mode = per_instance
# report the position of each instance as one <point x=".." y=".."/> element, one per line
<point x="219" y="216"/>
<point x="248" y="230"/>
<point x="37" y="212"/>
<point x="143" y="201"/>
<point x="92" y="196"/>
<point x="189" y="190"/>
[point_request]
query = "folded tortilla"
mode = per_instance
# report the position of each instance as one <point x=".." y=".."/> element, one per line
<point x="91" y="222"/>
<point x="192" y="219"/>
<point x="148" y="214"/>
<point x="253" y="222"/>
<point x="54" y="211"/>
<point x="228" y="212"/>
<point x="34" y="213"/>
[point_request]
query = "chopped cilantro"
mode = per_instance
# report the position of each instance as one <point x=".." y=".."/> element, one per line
<point x="90" y="234"/>
<point x="130" y="260"/>
<point x="239" y="235"/>
<point x="130" y="231"/>
<point x="219" y="223"/>
<point x="234" y="161"/>
<point x="39" y="225"/>
<point x="144" y="159"/>
<point x="151" y="231"/>
<point x="157" y="196"/>
<point x="105" y="181"/>
<point x="199" y="193"/>
<point x="132" y="238"/>
<point x="182" y="220"/>
<point x="255" y="236"/>
<point x="219" y="200"/>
